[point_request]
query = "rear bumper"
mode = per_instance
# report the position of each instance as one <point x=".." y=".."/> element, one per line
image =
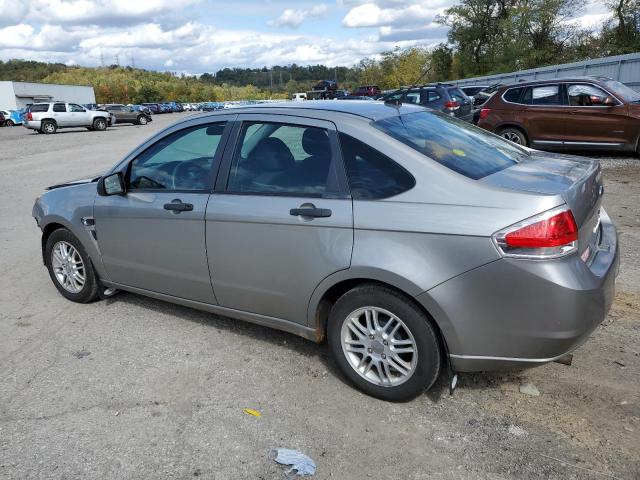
<point x="521" y="313"/>
<point x="33" y="124"/>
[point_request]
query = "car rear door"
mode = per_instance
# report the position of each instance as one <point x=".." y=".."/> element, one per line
<point x="60" y="115"/>
<point x="153" y="237"/>
<point x="593" y="122"/>
<point x="543" y="114"/>
<point x="280" y="220"/>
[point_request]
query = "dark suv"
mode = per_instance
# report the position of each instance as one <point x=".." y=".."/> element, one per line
<point x="569" y="113"/>
<point x="443" y="97"/>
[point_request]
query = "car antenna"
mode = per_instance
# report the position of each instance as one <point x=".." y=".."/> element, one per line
<point x="397" y="102"/>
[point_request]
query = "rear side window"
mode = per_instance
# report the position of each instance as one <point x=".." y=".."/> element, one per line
<point x="40" y="107"/>
<point x="543" y="95"/>
<point x="372" y="175"/>
<point x="458" y="145"/>
<point x="512" y="95"/>
<point x="429" y="96"/>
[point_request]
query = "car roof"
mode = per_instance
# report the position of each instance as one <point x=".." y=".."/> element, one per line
<point x="369" y="109"/>
<point x="585" y="78"/>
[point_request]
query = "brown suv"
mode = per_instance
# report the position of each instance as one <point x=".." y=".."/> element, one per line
<point x="567" y="113"/>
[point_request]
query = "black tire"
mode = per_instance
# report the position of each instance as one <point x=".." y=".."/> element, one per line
<point x="89" y="291"/>
<point x="429" y="357"/>
<point x="9" y="123"/>
<point x="48" y="127"/>
<point x="100" y="124"/>
<point x="142" y="120"/>
<point x="514" y="135"/>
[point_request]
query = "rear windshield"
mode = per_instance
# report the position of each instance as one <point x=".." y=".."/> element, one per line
<point x="458" y="145"/>
<point x="627" y="93"/>
<point x="39" y="107"/>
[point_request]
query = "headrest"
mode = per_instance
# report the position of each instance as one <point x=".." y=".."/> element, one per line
<point x="271" y="154"/>
<point x="316" y="142"/>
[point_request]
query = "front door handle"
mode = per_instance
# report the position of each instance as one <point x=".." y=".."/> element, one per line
<point x="310" y="212"/>
<point x="177" y="206"/>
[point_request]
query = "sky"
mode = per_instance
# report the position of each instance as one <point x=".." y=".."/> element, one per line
<point x="197" y="36"/>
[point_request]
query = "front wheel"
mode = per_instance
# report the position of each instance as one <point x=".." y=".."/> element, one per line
<point x="9" y="123"/>
<point x="100" y="124"/>
<point x="383" y="343"/>
<point x="70" y="268"/>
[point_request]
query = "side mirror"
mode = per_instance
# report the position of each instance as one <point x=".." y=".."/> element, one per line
<point x="111" y="185"/>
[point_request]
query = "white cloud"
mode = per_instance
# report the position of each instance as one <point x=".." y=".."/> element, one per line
<point x="293" y="18"/>
<point x="102" y="12"/>
<point x="12" y="12"/>
<point x="371" y="15"/>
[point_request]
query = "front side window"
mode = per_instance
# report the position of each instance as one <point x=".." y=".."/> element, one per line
<point x="59" y="107"/>
<point x="371" y="174"/>
<point x="283" y="159"/>
<point x="458" y="145"/>
<point x="76" y="108"/>
<point x="584" y="95"/>
<point x="544" y="95"/>
<point x="180" y="161"/>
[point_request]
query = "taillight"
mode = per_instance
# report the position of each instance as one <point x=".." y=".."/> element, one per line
<point x="551" y="234"/>
<point x="29" y="116"/>
<point x="484" y="113"/>
<point x="452" y="105"/>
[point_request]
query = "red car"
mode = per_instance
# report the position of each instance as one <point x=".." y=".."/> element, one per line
<point x="367" y="91"/>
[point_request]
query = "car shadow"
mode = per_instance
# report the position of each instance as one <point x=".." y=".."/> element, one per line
<point x="302" y="346"/>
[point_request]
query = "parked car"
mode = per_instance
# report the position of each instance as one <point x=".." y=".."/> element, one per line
<point x="356" y="97"/>
<point x="472" y="90"/>
<point x="125" y="114"/>
<point x="2" y="119"/>
<point x="594" y="113"/>
<point x="412" y="241"/>
<point x="367" y="91"/>
<point x="11" y="118"/>
<point x="154" y="108"/>
<point x="48" y="117"/>
<point x="326" y="85"/>
<point x="485" y="94"/>
<point x="299" y="97"/>
<point x="444" y="97"/>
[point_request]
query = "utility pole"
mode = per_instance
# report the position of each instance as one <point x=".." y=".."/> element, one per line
<point x="101" y="58"/>
<point x="270" y="80"/>
<point x="117" y="59"/>
<point x="133" y="62"/>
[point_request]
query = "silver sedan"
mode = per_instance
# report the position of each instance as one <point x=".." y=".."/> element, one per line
<point x="410" y="241"/>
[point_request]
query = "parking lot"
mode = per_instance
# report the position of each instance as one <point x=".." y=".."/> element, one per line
<point x="133" y="388"/>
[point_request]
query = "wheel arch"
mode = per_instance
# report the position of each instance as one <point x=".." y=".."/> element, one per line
<point x="333" y="287"/>
<point x="503" y="126"/>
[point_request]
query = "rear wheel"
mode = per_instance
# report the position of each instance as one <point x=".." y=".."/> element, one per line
<point x="48" y="127"/>
<point x="383" y="343"/>
<point x="514" y="135"/>
<point x="9" y="123"/>
<point x="70" y="268"/>
<point x="100" y="124"/>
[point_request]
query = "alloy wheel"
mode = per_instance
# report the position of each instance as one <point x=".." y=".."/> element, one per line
<point x="512" y="137"/>
<point x="68" y="267"/>
<point x="379" y="346"/>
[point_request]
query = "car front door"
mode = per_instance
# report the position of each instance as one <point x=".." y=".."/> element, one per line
<point x="596" y="117"/>
<point x="280" y="220"/>
<point x="153" y="237"/>
<point x="80" y="117"/>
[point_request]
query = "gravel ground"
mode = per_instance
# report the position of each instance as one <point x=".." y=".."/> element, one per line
<point x="134" y="388"/>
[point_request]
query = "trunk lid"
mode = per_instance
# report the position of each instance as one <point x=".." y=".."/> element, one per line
<point x="578" y="180"/>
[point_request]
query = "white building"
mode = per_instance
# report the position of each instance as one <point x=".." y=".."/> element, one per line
<point x="17" y="95"/>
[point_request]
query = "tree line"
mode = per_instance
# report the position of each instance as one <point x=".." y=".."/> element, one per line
<point x="485" y="37"/>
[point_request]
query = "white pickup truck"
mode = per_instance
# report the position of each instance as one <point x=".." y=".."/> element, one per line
<point x="50" y="116"/>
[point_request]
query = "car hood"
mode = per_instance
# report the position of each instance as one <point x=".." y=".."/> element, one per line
<point x="80" y="181"/>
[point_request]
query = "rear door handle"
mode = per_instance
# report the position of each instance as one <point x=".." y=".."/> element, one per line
<point x="177" y="206"/>
<point x="310" y="212"/>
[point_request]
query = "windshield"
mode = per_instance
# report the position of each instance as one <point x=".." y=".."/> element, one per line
<point x="627" y="93"/>
<point x="458" y="145"/>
